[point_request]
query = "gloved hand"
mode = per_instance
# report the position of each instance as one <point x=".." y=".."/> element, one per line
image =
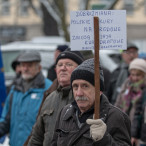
<point x="97" y="128"/>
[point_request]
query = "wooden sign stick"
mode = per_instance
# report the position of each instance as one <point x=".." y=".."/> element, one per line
<point x="96" y="68"/>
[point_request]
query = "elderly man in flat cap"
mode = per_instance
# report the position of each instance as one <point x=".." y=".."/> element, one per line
<point x="76" y="126"/>
<point x="22" y="104"/>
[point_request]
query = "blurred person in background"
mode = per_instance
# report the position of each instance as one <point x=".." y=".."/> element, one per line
<point x="43" y="129"/>
<point x="51" y="71"/>
<point x="16" y="65"/>
<point x="24" y="99"/>
<point x="17" y="69"/>
<point x="133" y="88"/>
<point x="121" y="73"/>
<point x="142" y="55"/>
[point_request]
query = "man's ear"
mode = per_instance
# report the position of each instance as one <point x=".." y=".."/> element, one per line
<point x="40" y="67"/>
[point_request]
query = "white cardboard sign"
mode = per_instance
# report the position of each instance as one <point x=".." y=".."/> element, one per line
<point x="112" y="29"/>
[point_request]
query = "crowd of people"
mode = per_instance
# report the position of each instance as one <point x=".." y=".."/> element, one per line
<point x="59" y="110"/>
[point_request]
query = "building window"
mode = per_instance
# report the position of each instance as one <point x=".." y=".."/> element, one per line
<point x="23" y="11"/>
<point x="128" y="5"/>
<point x="5" y="7"/>
<point x="102" y="5"/>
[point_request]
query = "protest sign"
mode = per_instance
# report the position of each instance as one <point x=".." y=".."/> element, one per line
<point x="94" y="30"/>
<point x="112" y="29"/>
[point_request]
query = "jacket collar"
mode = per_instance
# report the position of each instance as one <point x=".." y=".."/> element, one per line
<point x="65" y="90"/>
<point x="37" y="82"/>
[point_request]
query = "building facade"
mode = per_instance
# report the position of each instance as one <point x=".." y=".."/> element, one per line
<point x="18" y="20"/>
<point x="22" y="21"/>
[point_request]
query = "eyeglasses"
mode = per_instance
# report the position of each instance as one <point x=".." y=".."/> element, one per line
<point x="67" y="65"/>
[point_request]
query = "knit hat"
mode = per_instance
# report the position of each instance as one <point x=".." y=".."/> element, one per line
<point x="62" y="48"/>
<point x="139" y="64"/>
<point x="30" y="56"/>
<point x="76" y="56"/>
<point x="85" y="71"/>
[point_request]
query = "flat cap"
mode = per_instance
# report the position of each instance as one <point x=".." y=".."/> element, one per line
<point x="30" y="56"/>
<point x="130" y="45"/>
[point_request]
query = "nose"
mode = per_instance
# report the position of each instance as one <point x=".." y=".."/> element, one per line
<point x="79" y="92"/>
<point x="25" y="68"/>
<point x="132" y="54"/>
<point x="135" y="79"/>
<point x="63" y="67"/>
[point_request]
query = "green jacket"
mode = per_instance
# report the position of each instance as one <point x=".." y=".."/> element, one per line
<point x="44" y="127"/>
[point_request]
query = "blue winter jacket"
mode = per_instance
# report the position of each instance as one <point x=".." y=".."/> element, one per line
<point x="21" y="108"/>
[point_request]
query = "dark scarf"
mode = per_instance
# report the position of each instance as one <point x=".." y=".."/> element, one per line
<point x="83" y="116"/>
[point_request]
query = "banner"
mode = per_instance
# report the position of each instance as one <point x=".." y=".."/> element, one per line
<point x="112" y="29"/>
<point x="2" y="84"/>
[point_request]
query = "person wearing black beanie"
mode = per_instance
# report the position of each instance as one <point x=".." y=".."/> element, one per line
<point x="76" y="56"/>
<point x="85" y="71"/>
<point x="51" y="70"/>
<point x="76" y="125"/>
<point x="64" y="53"/>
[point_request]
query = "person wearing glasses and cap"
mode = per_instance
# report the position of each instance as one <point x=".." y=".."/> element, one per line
<point x="51" y="71"/>
<point x="120" y="74"/>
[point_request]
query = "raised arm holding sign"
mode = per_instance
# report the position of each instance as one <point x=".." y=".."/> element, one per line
<point x="91" y="119"/>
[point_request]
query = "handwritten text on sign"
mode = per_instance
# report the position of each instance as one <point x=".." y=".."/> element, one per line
<point x="112" y="29"/>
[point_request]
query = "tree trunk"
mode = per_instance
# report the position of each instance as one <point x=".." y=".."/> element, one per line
<point x="50" y="27"/>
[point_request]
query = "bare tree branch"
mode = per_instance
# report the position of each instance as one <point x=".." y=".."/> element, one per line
<point x="50" y="10"/>
<point x="36" y="10"/>
<point x="83" y="4"/>
<point x="112" y="5"/>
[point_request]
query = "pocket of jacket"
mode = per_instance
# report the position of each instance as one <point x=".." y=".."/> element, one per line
<point x="62" y="133"/>
<point x="62" y="137"/>
<point x="87" y="140"/>
<point x="49" y="112"/>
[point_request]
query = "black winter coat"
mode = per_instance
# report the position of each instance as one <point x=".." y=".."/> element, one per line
<point x="69" y="132"/>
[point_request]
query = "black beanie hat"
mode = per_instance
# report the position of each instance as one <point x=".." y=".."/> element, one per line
<point x="62" y="48"/>
<point x="85" y="71"/>
<point x="76" y="56"/>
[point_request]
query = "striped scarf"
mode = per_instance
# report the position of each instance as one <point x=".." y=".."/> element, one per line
<point x="131" y="95"/>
